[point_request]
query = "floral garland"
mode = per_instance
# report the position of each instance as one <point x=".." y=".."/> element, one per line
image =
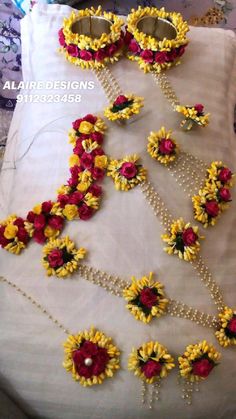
<point x="150" y="362"/>
<point x="86" y="51"/>
<point x="182" y="240"/>
<point x="61" y="257"/>
<point x="215" y="195"/>
<point x="146" y="298"/>
<point x="162" y="147"/>
<point x="90" y="356"/>
<point x="226" y="335"/>
<point x="149" y="52"/>
<point x="193" y="115"/>
<point x="124" y="107"/>
<point x="79" y="198"/>
<point x="126" y="173"/>
<point x="198" y="361"/>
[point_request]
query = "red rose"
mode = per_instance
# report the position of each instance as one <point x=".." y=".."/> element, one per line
<point x="166" y="146"/>
<point x="39" y="236"/>
<point x="134" y="47"/>
<point x="75" y="170"/>
<point x="128" y="170"/>
<point x="55" y="258"/>
<point x="22" y="235"/>
<point x="78" y="149"/>
<point x="151" y="368"/>
<point x="189" y="237"/>
<point x="63" y="199"/>
<point x="225" y="175"/>
<point x="172" y="55"/>
<point x="199" y="108"/>
<point x="120" y="100"/>
<point x="61" y="38"/>
<point x="147" y="55"/>
<point x="181" y="50"/>
<point x="98" y="152"/>
<point x="85" y="212"/>
<point x="160" y="57"/>
<point x="202" y="367"/>
<point x="212" y="208"/>
<point x="98" y="356"/>
<point x="72" y="50"/>
<point x="19" y="222"/>
<point x="56" y="222"/>
<point x="231" y="326"/>
<point x="97" y="173"/>
<point x="39" y="222"/>
<point x="147" y="297"/>
<point x="76" y="124"/>
<point x="90" y="118"/>
<point x="87" y="160"/>
<point x="75" y="198"/>
<point x="119" y="44"/>
<point x="101" y="360"/>
<point x="100" y="55"/>
<point x="3" y="241"/>
<point x="97" y="136"/>
<point x="85" y="55"/>
<point x="225" y="194"/>
<point x="111" y="50"/>
<point x="46" y="206"/>
<point x="73" y="182"/>
<point x="31" y="216"/>
<point x="95" y="190"/>
<point x="127" y="38"/>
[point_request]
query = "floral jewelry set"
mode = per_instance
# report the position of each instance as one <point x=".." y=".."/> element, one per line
<point x="155" y="39"/>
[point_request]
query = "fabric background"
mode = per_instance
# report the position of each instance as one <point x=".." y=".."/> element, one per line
<point x="122" y="238"/>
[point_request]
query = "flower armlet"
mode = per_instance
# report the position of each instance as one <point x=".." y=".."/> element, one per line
<point x="126" y="173"/>
<point x="13" y="234"/>
<point x="101" y="47"/>
<point x="146" y="298"/>
<point x="194" y="115"/>
<point x="124" y="107"/>
<point x="162" y="147"/>
<point x="182" y="240"/>
<point x="91" y="357"/>
<point x="61" y="257"/>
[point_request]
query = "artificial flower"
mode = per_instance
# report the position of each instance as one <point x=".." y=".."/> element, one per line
<point x="226" y="334"/>
<point x="126" y="173"/>
<point x="162" y="147"/>
<point x="124" y="107"/>
<point x="193" y="116"/>
<point x="13" y="234"/>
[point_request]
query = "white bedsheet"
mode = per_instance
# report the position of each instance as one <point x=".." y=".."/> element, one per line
<point x="122" y="238"/>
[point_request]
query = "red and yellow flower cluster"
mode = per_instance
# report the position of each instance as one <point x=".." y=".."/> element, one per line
<point x="215" y="195"/>
<point x="79" y="198"/>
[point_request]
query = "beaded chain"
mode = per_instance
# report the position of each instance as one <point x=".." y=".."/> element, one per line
<point x="164" y="83"/>
<point x="108" y="83"/>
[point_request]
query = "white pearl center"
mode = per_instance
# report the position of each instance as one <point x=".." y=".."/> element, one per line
<point x="88" y="362"/>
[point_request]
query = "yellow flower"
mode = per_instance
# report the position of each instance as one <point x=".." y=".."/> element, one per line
<point x="176" y="243"/>
<point x="192" y="117"/>
<point x="133" y="293"/>
<point x="150" y="351"/>
<point x="101" y="162"/>
<point x="134" y="104"/>
<point x="85" y="127"/>
<point x="126" y="183"/>
<point x="66" y="247"/>
<point x="201" y="350"/>
<point x="225" y="336"/>
<point x="37" y="209"/>
<point x="50" y="232"/>
<point x="10" y="231"/>
<point x="70" y="212"/>
<point x="91" y="201"/>
<point x="154" y="141"/>
<point x="75" y="343"/>
<point x="74" y="160"/>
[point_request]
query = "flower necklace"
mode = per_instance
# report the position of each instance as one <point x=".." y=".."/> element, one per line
<point x="209" y="200"/>
<point x="156" y="40"/>
<point x="92" y="39"/>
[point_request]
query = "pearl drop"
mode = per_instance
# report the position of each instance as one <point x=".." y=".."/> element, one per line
<point x="88" y="362"/>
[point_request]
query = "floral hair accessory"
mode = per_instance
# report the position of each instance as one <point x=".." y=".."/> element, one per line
<point x="194" y="115"/>
<point x="91" y="51"/>
<point x="162" y="147"/>
<point x="124" y="107"/>
<point x="150" y="362"/>
<point x="61" y="257"/>
<point x="13" y="234"/>
<point x="126" y="173"/>
<point x="146" y="298"/>
<point x="182" y="240"/>
<point x="150" y="50"/>
<point x="226" y="335"/>
<point x="90" y="356"/>
<point x="214" y="197"/>
<point x="43" y="222"/>
<point x="195" y="365"/>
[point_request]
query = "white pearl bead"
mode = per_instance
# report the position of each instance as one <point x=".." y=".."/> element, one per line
<point x="88" y="362"/>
